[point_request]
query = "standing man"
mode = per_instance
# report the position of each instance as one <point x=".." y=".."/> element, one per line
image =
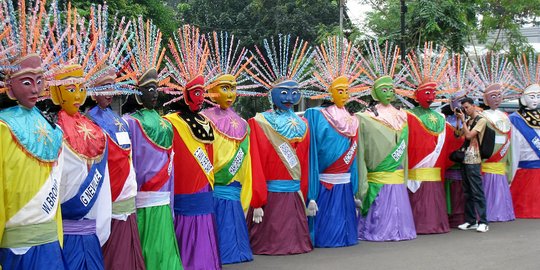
<point x="475" y="201"/>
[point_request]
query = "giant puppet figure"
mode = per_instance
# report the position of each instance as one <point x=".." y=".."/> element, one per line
<point x="151" y="139"/>
<point x="85" y="192"/>
<point x="122" y="249"/>
<point x="193" y="159"/>
<point x="428" y="134"/>
<point x="277" y="219"/>
<point x="382" y="138"/>
<point x="525" y="140"/>
<point x="30" y="147"/>
<point x="232" y="182"/>
<point x="333" y="181"/>
<point x="494" y="76"/>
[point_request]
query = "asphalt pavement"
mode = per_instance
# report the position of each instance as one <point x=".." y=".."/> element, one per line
<point x="509" y="245"/>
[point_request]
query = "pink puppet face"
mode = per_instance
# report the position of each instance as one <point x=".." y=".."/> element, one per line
<point x="26" y="84"/>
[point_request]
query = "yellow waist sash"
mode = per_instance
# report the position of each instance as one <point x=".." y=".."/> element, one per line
<point x="30" y="235"/>
<point x="494" y="168"/>
<point x="395" y="177"/>
<point x="425" y="174"/>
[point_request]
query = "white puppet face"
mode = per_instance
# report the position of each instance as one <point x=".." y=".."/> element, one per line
<point x="531" y="97"/>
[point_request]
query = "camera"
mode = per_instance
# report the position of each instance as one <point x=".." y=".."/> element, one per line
<point x="459" y="110"/>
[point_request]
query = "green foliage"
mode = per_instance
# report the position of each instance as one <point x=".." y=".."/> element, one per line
<point x="158" y="11"/>
<point x="455" y="23"/>
<point x="254" y="20"/>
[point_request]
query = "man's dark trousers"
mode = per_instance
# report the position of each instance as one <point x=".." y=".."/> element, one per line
<point x="475" y="200"/>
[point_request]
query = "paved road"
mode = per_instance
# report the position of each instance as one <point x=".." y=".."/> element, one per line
<point x="510" y="245"/>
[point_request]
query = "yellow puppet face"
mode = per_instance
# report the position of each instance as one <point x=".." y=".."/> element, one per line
<point x="224" y="92"/>
<point x="340" y="91"/>
<point x="71" y="95"/>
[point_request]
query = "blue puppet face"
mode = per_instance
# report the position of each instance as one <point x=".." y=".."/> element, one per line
<point x="285" y="95"/>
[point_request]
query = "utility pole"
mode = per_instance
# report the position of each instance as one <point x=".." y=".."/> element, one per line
<point x="341" y="4"/>
<point x="402" y="45"/>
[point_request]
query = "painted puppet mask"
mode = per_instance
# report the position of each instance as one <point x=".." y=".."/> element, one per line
<point x="26" y="84"/>
<point x="425" y="94"/>
<point x="340" y="91"/>
<point x="531" y="97"/>
<point x="148" y="88"/>
<point x="383" y="90"/>
<point x="194" y="94"/>
<point x="285" y="95"/>
<point x="71" y="95"/>
<point x="224" y="92"/>
<point x="493" y="96"/>
<point x="104" y="99"/>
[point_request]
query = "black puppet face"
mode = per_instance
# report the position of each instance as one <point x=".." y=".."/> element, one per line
<point x="148" y="89"/>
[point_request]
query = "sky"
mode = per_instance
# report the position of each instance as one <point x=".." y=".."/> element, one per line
<point x="357" y="11"/>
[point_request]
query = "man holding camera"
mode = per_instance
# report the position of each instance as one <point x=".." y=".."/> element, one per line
<point x="473" y="132"/>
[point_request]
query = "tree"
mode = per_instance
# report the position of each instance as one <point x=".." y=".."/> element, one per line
<point x="162" y="15"/>
<point x="443" y="22"/>
<point x="456" y="23"/>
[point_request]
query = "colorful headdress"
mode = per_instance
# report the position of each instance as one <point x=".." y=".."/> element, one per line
<point x="493" y="71"/>
<point x="283" y="64"/>
<point x="107" y="54"/>
<point x="228" y="58"/>
<point x="335" y="59"/>
<point x="527" y="74"/>
<point x="380" y="67"/>
<point x="459" y="80"/>
<point x="188" y="66"/>
<point x="146" y="56"/>
<point x="25" y="33"/>
<point x="426" y="69"/>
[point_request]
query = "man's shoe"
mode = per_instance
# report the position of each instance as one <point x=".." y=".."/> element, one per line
<point x="482" y="228"/>
<point x="468" y="226"/>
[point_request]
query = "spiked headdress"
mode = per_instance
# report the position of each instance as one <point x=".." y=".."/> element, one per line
<point x="282" y="62"/>
<point x="336" y="61"/>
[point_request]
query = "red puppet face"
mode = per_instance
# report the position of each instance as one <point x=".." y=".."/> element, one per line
<point x="425" y="94"/>
<point x="194" y="94"/>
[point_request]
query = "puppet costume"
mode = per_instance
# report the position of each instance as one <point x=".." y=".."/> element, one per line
<point x="428" y="136"/>
<point x="280" y="153"/>
<point x="525" y="148"/>
<point x="232" y="176"/>
<point x="152" y="138"/>
<point x="195" y="224"/>
<point x="31" y="156"/>
<point x="494" y="79"/>
<point x="386" y="213"/>
<point x="333" y="180"/>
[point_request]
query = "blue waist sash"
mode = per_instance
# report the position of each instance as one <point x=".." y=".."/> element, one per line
<point x="79" y="205"/>
<point x="194" y="204"/>
<point x="283" y="185"/>
<point x="228" y="192"/>
<point x="529" y="164"/>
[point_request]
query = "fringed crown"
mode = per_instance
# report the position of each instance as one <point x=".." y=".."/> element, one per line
<point x="426" y="69"/>
<point x="527" y="73"/>
<point x="382" y="66"/>
<point x="282" y="61"/>
<point x="228" y="57"/>
<point x="188" y="65"/>
<point x="493" y="70"/>
<point x="459" y="78"/>
<point x="28" y="32"/>
<point x="146" y="56"/>
<point x="335" y="58"/>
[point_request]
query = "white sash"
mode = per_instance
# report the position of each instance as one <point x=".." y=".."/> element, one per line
<point x="42" y="207"/>
<point x="428" y="161"/>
